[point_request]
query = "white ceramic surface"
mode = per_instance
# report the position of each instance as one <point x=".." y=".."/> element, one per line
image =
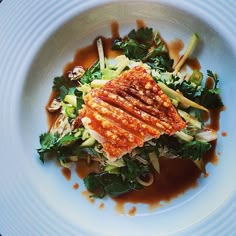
<point x="37" y="39"/>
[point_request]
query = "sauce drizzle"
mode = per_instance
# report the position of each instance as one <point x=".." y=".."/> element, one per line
<point x="224" y="134"/>
<point x="66" y="173"/>
<point x="75" y="186"/>
<point x="132" y="211"/>
<point x="101" y="206"/>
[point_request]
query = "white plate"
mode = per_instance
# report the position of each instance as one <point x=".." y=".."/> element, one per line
<point x="37" y="39"/>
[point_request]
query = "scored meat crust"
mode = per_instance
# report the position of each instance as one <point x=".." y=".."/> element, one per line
<point x="128" y="111"/>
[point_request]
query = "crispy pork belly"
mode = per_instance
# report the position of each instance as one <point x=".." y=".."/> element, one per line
<point x="128" y="111"/>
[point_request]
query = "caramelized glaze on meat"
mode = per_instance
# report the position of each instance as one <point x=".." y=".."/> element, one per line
<point x="128" y="111"/>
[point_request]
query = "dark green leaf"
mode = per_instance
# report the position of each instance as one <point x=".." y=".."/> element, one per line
<point x="186" y="89"/>
<point x="161" y="62"/>
<point x="63" y="86"/>
<point x="210" y="98"/>
<point x="66" y="140"/>
<point x="136" y="45"/>
<point x="104" y="183"/>
<point x="133" y="169"/>
<point x="93" y="184"/>
<point x="117" y="188"/>
<point x="141" y="35"/>
<point x="91" y="74"/>
<point x="48" y="144"/>
<point x="195" y="149"/>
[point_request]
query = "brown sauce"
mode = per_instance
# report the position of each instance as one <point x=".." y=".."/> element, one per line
<point x="83" y="168"/>
<point x="140" y="24"/>
<point x="209" y="83"/>
<point x="211" y="155"/>
<point x="215" y="119"/>
<point x="115" y="29"/>
<point x="88" y="197"/>
<point x="177" y="175"/>
<point x="75" y="186"/>
<point x="175" y="48"/>
<point x="87" y="56"/>
<point x="120" y="208"/>
<point x="224" y="134"/>
<point x="101" y="206"/>
<point x="51" y="116"/>
<point x="66" y="173"/>
<point x="193" y="63"/>
<point x="132" y="211"/>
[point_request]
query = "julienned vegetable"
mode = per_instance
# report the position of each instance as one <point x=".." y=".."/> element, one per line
<point x="73" y="137"/>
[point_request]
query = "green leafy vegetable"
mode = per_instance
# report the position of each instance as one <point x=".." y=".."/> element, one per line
<point x="136" y="45"/>
<point x="195" y="149"/>
<point x="48" y="143"/>
<point x="141" y="35"/>
<point x="63" y="147"/>
<point x="144" y="45"/>
<point x="91" y="74"/>
<point x="191" y="150"/>
<point x="63" y="86"/>
<point x="104" y="183"/>
<point x="117" y="184"/>
<point x="210" y="98"/>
